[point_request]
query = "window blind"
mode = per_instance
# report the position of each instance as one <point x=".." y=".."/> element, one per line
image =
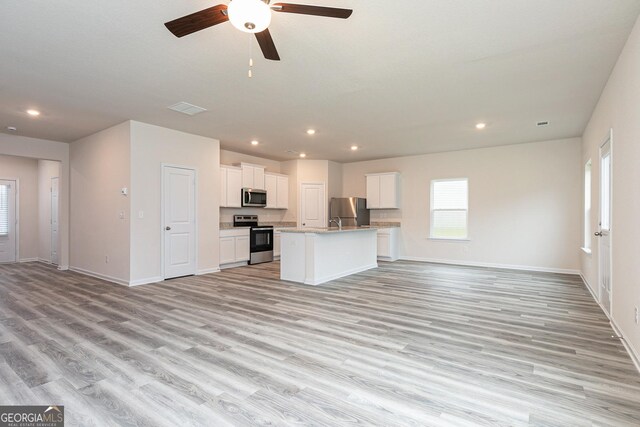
<point x="4" y="210"/>
<point x="449" y="208"/>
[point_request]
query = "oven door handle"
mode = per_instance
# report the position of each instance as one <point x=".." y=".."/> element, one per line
<point x="261" y="228"/>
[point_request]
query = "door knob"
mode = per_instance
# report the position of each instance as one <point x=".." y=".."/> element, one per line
<point x="167" y="228"/>
<point x="598" y="233"/>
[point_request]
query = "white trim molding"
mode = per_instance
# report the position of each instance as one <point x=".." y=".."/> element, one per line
<point x="145" y="281"/>
<point x="99" y="276"/>
<point x="493" y="265"/>
<point x="633" y="354"/>
<point x="208" y="271"/>
<point x="28" y="259"/>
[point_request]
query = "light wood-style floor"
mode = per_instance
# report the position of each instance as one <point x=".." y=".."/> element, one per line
<point x="405" y="344"/>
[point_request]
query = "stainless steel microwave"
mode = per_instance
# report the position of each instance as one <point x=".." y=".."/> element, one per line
<point x="254" y="198"/>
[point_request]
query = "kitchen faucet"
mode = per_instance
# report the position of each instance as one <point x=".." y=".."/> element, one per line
<point x="338" y="222"/>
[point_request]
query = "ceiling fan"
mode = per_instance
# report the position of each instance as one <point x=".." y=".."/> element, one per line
<point x="250" y="16"/>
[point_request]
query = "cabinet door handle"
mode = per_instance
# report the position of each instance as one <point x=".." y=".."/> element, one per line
<point x="167" y="228"/>
<point x="598" y="233"/>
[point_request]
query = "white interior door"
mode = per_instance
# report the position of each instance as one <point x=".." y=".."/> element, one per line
<point x="179" y="213"/>
<point x="55" y="190"/>
<point x="312" y="205"/>
<point x="7" y="221"/>
<point x="604" y="232"/>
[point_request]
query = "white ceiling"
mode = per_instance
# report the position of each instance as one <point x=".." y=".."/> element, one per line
<point x="397" y="78"/>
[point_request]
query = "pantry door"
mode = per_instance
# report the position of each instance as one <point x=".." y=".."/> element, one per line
<point x="312" y="205"/>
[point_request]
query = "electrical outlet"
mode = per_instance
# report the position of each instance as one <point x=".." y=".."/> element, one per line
<point x="635" y="314"/>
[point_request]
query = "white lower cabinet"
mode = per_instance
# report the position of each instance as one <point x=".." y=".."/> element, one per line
<point x="234" y="247"/>
<point x="388" y="244"/>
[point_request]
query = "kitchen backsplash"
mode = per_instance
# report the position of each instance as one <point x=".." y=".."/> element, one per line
<point x="264" y="215"/>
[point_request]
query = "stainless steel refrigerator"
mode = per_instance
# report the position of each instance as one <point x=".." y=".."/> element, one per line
<point x="351" y="210"/>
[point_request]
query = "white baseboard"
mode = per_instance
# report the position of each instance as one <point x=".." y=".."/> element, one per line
<point x="28" y="260"/>
<point x="145" y="281"/>
<point x="233" y="264"/>
<point x="635" y="356"/>
<point x="99" y="276"/>
<point x="591" y="290"/>
<point x="492" y="265"/>
<point x="63" y="267"/>
<point x="44" y="261"/>
<point x="208" y="271"/>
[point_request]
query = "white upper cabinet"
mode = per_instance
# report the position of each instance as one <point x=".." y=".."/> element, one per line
<point x="252" y="176"/>
<point x="277" y="187"/>
<point x="283" y="192"/>
<point x="383" y="190"/>
<point x="231" y="186"/>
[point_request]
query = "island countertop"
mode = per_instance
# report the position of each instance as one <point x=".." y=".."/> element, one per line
<point x="327" y="230"/>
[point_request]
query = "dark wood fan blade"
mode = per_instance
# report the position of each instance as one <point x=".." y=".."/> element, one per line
<point x="266" y="44"/>
<point x="198" y="21"/>
<point x="304" y="9"/>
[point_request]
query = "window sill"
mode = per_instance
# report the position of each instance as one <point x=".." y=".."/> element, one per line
<point x="586" y="250"/>
<point x="444" y="239"/>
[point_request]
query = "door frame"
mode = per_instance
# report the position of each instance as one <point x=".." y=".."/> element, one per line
<point x="162" y="218"/>
<point x="609" y="139"/>
<point x="17" y="218"/>
<point x="326" y="205"/>
<point x="57" y="249"/>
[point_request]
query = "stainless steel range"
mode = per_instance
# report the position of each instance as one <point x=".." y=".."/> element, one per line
<point x="260" y="238"/>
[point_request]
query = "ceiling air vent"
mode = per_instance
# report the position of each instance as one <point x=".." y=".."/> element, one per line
<point x="545" y="123"/>
<point x="186" y="108"/>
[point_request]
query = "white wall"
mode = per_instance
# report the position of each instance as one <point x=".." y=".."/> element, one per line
<point x="619" y="109"/>
<point x="47" y="169"/>
<point x="100" y="166"/>
<point x="34" y="148"/>
<point x="150" y="147"/>
<point x="523" y="201"/>
<point x="334" y="180"/>
<point x="25" y="170"/>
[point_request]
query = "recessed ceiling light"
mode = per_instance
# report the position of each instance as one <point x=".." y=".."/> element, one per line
<point x="481" y="125"/>
<point x="12" y="128"/>
<point x="354" y="147"/>
<point x="545" y="123"/>
<point x="311" y="131"/>
<point x="34" y="113"/>
<point x="255" y="142"/>
<point x="303" y="155"/>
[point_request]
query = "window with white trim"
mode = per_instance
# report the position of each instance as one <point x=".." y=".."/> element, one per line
<point x="587" y="206"/>
<point x="4" y="210"/>
<point x="449" y="208"/>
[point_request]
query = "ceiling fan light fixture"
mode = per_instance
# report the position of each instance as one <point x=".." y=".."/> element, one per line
<point x="250" y="16"/>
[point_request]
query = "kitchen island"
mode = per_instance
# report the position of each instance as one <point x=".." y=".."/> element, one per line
<point x="317" y="255"/>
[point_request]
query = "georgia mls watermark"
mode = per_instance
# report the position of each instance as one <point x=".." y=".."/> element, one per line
<point x="32" y="416"/>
